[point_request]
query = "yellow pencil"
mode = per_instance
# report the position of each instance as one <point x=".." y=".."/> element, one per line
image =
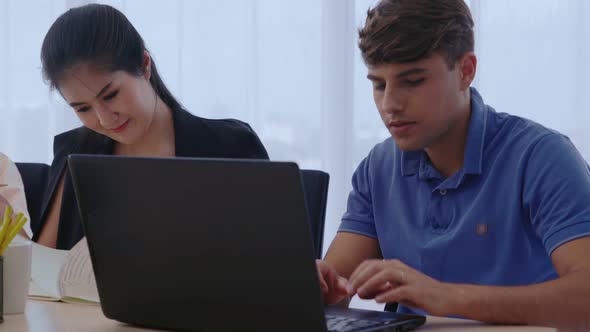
<point x="5" y="222"/>
<point x="20" y="221"/>
<point x="12" y="234"/>
<point x="15" y="222"/>
<point x="5" y="225"/>
<point x="10" y="227"/>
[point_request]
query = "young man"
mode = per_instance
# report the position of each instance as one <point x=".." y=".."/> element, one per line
<point x="463" y="211"/>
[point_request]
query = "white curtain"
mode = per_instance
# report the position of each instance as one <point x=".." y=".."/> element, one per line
<point x="292" y="70"/>
<point x="534" y="61"/>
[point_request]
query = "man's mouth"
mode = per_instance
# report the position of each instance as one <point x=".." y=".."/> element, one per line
<point x="401" y="128"/>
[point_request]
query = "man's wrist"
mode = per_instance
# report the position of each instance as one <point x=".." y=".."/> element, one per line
<point x="459" y="299"/>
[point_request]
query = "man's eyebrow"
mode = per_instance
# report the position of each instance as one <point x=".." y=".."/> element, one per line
<point x="374" y="78"/>
<point x="411" y="71"/>
<point x="399" y="75"/>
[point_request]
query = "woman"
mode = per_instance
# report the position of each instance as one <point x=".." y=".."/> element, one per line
<point x="99" y="64"/>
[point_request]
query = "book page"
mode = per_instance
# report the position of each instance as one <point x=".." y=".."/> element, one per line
<point x="76" y="280"/>
<point x="45" y="267"/>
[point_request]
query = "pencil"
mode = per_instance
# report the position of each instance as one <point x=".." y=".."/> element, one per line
<point x="12" y="234"/>
<point x="10" y="228"/>
<point x="5" y="222"/>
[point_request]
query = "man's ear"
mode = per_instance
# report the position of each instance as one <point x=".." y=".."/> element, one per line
<point x="467" y="68"/>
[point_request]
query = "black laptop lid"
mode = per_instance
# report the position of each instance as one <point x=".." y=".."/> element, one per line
<point x="199" y="244"/>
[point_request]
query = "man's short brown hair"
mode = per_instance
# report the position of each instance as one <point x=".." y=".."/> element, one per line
<point x="398" y="31"/>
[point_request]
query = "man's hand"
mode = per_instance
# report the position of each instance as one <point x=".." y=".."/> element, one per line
<point x="333" y="286"/>
<point x="393" y="281"/>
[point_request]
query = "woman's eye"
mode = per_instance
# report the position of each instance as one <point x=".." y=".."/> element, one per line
<point x="111" y="95"/>
<point x="82" y="109"/>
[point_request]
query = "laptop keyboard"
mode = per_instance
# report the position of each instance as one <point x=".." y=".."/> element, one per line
<point x="344" y="324"/>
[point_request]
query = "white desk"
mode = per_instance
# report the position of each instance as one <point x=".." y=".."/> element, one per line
<point x="65" y="317"/>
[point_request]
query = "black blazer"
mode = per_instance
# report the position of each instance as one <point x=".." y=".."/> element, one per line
<point x="194" y="137"/>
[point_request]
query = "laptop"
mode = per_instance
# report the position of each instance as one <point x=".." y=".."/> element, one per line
<point x="207" y="245"/>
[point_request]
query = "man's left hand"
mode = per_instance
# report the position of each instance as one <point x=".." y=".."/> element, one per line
<point x="393" y="281"/>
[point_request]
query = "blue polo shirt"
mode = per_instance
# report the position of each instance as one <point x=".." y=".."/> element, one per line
<point x="523" y="191"/>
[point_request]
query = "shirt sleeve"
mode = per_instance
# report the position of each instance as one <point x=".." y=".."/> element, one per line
<point x="14" y="191"/>
<point x="556" y="191"/>
<point x="358" y="217"/>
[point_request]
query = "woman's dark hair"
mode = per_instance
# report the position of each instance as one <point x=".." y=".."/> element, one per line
<point x="102" y="36"/>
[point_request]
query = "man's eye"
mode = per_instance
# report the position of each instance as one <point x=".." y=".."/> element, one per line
<point x="111" y="95"/>
<point x="82" y="109"/>
<point x="379" y="87"/>
<point x="414" y="82"/>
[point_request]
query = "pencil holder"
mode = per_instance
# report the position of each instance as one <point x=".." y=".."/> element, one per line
<point x="17" y="276"/>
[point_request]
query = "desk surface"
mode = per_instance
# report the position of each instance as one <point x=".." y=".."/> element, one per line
<point x="58" y="316"/>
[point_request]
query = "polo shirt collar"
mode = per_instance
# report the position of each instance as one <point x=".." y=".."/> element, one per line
<point x="473" y="160"/>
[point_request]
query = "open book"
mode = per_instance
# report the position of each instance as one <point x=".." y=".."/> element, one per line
<point x="63" y="275"/>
